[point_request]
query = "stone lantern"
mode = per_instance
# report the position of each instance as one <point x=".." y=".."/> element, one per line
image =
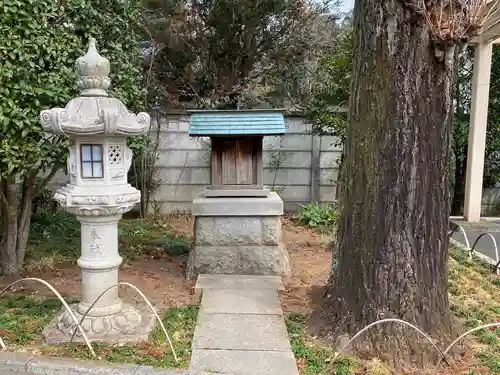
<point x="98" y="194"/>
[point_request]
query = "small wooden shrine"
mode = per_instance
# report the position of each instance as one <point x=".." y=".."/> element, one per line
<point x="237" y="140"/>
<point x="237" y="228"/>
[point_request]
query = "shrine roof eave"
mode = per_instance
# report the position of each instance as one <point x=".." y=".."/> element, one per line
<point x="236" y="123"/>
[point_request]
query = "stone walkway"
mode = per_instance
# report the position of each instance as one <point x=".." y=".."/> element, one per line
<point x="240" y="328"/>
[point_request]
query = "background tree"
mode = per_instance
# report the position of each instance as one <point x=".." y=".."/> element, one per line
<point x="225" y="53"/>
<point x="326" y="106"/>
<point x="39" y="43"/>
<point x="392" y="235"/>
<point x="329" y="98"/>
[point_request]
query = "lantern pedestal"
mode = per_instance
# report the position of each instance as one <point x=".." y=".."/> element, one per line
<point x="107" y="318"/>
<point x="129" y="325"/>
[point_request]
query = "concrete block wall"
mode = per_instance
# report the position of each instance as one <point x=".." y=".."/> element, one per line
<point x="307" y="165"/>
<point x="490" y="202"/>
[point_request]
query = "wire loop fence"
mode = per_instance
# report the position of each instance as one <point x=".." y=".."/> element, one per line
<point x="399" y="321"/>
<point x="471" y="250"/>
<point x="143" y="296"/>
<point x="63" y="301"/>
<point x="442" y="354"/>
<point x="460" y="338"/>
<point x="78" y="324"/>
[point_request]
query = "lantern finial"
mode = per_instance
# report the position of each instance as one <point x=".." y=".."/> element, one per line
<point x="93" y="72"/>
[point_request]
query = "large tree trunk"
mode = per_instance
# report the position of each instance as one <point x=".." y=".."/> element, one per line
<point x="393" y="247"/>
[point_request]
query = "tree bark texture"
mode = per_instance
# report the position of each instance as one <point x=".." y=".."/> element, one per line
<point x="8" y="244"/>
<point x="392" y="246"/>
<point x="16" y="201"/>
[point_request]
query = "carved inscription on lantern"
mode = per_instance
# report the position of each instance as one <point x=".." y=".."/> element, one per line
<point x="95" y="246"/>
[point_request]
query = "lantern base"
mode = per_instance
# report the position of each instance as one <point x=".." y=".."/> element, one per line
<point x="130" y="325"/>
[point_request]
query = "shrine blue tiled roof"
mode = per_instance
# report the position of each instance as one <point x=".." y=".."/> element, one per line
<point x="244" y="122"/>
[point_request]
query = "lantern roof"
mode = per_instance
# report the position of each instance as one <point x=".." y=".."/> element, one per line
<point x="206" y="123"/>
<point x="94" y="112"/>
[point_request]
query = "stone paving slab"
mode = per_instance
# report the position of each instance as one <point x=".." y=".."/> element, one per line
<point x="234" y="301"/>
<point x="52" y="366"/>
<point x="244" y="362"/>
<point x="241" y="332"/>
<point x="12" y="363"/>
<point x="205" y="282"/>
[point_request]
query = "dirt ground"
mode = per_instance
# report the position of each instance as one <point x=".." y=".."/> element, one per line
<point x="163" y="282"/>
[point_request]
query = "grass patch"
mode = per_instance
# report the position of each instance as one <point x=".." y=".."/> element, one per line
<point x="475" y="300"/>
<point x="55" y="237"/>
<point x="22" y="320"/>
<point x="313" y="359"/>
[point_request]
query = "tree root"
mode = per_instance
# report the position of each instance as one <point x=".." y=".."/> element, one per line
<point x="400" y="344"/>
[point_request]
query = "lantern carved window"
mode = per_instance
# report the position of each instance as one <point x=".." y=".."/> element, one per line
<point x="115" y="155"/>
<point x="91" y="161"/>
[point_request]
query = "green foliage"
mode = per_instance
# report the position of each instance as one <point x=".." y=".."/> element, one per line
<point x="177" y="245"/>
<point x="325" y="109"/>
<point x="492" y="157"/>
<point x="54" y="235"/>
<point x="40" y="41"/>
<point x="141" y="236"/>
<point x="461" y="127"/>
<point x="314" y="358"/>
<point x="57" y="236"/>
<point x="320" y="216"/>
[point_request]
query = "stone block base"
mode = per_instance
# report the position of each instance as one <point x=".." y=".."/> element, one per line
<point x="130" y="325"/>
<point x="238" y="236"/>
<point x="241" y="260"/>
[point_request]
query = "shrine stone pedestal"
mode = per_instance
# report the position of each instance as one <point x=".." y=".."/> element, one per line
<point x="238" y="235"/>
